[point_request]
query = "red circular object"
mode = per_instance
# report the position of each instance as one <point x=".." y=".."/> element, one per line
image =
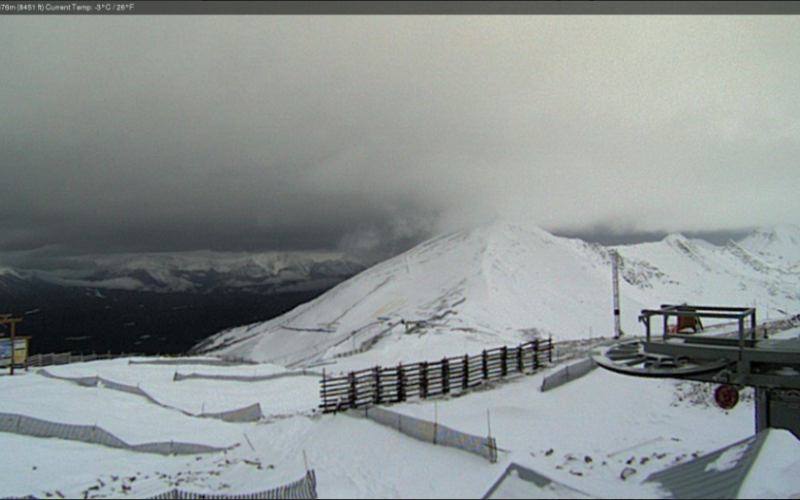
<point x="727" y="397"/>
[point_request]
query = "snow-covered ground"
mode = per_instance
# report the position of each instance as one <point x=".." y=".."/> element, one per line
<point x="775" y="476"/>
<point x="583" y="435"/>
<point x="298" y="394"/>
<point x="457" y="294"/>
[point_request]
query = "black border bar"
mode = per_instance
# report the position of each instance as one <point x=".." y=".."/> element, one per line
<point x="134" y="7"/>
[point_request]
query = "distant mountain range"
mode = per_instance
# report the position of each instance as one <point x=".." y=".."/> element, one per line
<point x="508" y="282"/>
<point x="13" y="285"/>
<point x="196" y="272"/>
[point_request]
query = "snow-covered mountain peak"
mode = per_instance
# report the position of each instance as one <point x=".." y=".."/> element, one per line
<point x="781" y="232"/>
<point x="496" y="284"/>
<point x="786" y="235"/>
<point x="510" y="229"/>
<point x="7" y="271"/>
<point x="676" y="239"/>
<point x="205" y="261"/>
<point x="778" y="245"/>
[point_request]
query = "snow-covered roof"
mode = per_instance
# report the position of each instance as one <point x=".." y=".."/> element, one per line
<point x="738" y="471"/>
<point x="519" y="482"/>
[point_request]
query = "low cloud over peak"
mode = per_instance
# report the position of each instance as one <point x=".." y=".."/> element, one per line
<point x="372" y="133"/>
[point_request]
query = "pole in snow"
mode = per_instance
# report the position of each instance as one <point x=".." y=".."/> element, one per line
<point x="617" y="318"/>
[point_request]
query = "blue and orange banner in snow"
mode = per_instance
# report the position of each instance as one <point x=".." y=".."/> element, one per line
<point x="20" y="351"/>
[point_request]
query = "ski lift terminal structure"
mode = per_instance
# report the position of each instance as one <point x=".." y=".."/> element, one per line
<point x="744" y="358"/>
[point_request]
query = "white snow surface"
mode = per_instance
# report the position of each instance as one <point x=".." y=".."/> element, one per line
<point x="460" y="293"/>
<point x="776" y="473"/>
<point x="582" y="435"/>
<point x="728" y="460"/>
<point x="508" y="282"/>
<point x="777" y="245"/>
<point x="299" y="394"/>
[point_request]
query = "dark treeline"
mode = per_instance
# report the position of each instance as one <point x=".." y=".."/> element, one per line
<point x="84" y="321"/>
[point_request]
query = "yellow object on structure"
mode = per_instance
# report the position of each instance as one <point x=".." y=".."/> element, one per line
<point x="21" y="350"/>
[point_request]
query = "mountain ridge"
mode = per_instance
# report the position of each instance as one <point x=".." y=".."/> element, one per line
<point x="504" y="283"/>
<point x="199" y="272"/>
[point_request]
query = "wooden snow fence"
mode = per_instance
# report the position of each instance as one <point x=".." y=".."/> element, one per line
<point x="376" y="386"/>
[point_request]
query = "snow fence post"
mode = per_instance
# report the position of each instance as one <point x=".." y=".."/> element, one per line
<point x="423" y="383"/>
<point x="377" y="385"/>
<point x="485" y="365"/>
<point x="445" y="376"/>
<point x="491" y="443"/>
<point x="324" y="393"/>
<point x="353" y="389"/>
<point x="401" y="395"/>
<point x="465" y="381"/>
<point x="436" y="423"/>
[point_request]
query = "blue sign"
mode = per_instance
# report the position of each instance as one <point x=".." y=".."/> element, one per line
<point x="5" y="349"/>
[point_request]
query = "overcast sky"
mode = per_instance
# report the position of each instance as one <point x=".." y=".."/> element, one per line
<point x="363" y="133"/>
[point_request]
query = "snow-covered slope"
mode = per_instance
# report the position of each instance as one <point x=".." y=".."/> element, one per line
<point x="507" y="282"/>
<point x="777" y="246"/>
<point x="678" y="269"/>
<point x="8" y="273"/>
<point x="12" y="284"/>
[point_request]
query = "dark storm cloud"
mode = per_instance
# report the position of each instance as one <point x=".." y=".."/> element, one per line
<point x="371" y="133"/>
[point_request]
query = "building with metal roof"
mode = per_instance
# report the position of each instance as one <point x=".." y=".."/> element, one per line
<point x="764" y="466"/>
<point x="519" y="482"/>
